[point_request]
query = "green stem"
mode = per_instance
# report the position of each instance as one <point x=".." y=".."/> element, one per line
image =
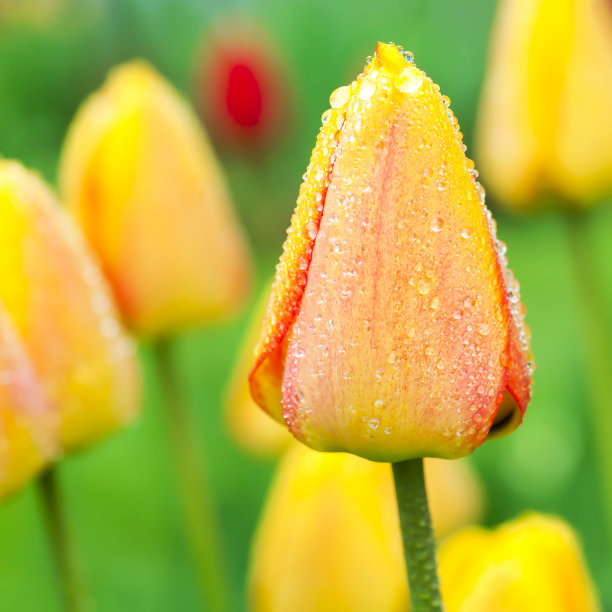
<point x="194" y="490"/>
<point x="597" y="335"/>
<point x="61" y="549"/>
<point x="417" y="536"/>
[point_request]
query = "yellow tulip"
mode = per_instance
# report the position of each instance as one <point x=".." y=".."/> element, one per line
<point x="29" y="436"/>
<point x="544" y="124"/>
<point x="329" y="539"/>
<point x="139" y="175"/>
<point x="250" y="426"/>
<point x="61" y="306"/>
<point x="533" y="564"/>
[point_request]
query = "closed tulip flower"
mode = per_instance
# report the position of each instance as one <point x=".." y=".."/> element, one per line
<point x="533" y="564"/>
<point x="61" y="307"/>
<point x="544" y="123"/>
<point x="349" y="505"/>
<point x="141" y="179"/>
<point x="394" y="329"/>
<point x="29" y="434"/>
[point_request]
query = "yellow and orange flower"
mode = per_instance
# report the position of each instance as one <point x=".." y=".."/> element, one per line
<point x="544" y="125"/>
<point x="394" y="329"/>
<point x="29" y="423"/>
<point x="61" y="307"/>
<point x="329" y="538"/>
<point x="142" y="181"/>
<point x="532" y="564"/>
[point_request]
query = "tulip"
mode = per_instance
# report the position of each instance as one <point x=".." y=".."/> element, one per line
<point x="29" y="437"/>
<point x="329" y="538"/>
<point x="544" y="119"/>
<point x="242" y="86"/>
<point x="139" y="176"/>
<point x="252" y="428"/>
<point x="61" y="307"/>
<point x="532" y="564"/>
<point x="394" y="329"/>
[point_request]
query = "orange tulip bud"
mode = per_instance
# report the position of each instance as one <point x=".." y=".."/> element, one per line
<point x="533" y="564"/>
<point x="544" y="124"/>
<point x="251" y="427"/>
<point x="61" y="306"/>
<point x="394" y="329"/>
<point x="142" y="181"/>
<point x="347" y="506"/>
<point x="29" y="436"/>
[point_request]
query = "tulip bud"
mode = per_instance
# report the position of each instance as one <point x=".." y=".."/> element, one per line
<point x="61" y="306"/>
<point x="544" y="119"/>
<point x="394" y="329"/>
<point x="141" y="179"/>
<point x="251" y="427"/>
<point x="346" y="507"/>
<point x="242" y="86"/>
<point x="29" y="437"/>
<point x="533" y="564"/>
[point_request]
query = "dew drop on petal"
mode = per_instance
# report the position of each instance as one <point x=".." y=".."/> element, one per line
<point x="437" y="224"/>
<point x="339" y="97"/>
<point x="408" y="80"/>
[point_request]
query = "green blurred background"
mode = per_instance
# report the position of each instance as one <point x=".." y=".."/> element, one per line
<point x="121" y="495"/>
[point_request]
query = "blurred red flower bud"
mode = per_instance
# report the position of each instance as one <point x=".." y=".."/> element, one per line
<point x="242" y="86"/>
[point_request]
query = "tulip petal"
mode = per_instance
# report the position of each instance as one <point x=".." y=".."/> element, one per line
<point x="29" y="432"/>
<point x="393" y="311"/>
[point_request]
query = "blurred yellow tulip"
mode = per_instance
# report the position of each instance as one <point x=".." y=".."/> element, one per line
<point x="533" y="564"/>
<point x="140" y="177"/>
<point x="329" y="539"/>
<point x="61" y="306"/>
<point x="544" y="124"/>
<point x="249" y="425"/>
<point x="29" y="436"/>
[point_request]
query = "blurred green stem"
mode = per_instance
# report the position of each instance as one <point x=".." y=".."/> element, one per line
<point x="417" y="536"/>
<point x="194" y="489"/>
<point x="597" y="334"/>
<point x="65" y="564"/>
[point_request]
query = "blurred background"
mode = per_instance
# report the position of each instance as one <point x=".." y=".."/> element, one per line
<point x="121" y="496"/>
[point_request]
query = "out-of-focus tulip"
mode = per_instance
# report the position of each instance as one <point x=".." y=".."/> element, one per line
<point x="242" y="87"/>
<point x="330" y="539"/>
<point x="29" y="434"/>
<point x="250" y="426"/>
<point x="394" y="329"/>
<point x="61" y="306"/>
<point x="544" y="123"/>
<point x="141" y="179"/>
<point x="533" y="564"/>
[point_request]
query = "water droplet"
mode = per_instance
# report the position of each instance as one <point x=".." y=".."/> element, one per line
<point x="483" y="329"/>
<point x="435" y="303"/>
<point x="466" y="233"/>
<point x="469" y="302"/>
<point x="366" y="89"/>
<point x="423" y="287"/>
<point x="339" y="97"/>
<point x="326" y="115"/>
<point x="373" y="423"/>
<point x="440" y="186"/>
<point x="379" y="403"/>
<point x="408" y="80"/>
<point x="388" y="430"/>
<point x="437" y="224"/>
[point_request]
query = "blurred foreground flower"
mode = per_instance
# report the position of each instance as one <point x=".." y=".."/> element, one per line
<point x="414" y="349"/>
<point x="330" y="538"/>
<point x="533" y="564"/>
<point x="250" y="426"/>
<point x="29" y="435"/>
<point x="544" y="123"/>
<point x="242" y="87"/>
<point x="141" y="179"/>
<point x="60" y="305"/>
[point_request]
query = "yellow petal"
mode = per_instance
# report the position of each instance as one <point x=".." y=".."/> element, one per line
<point x="329" y="538"/>
<point x="140" y="177"/>
<point x="533" y="564"/>
<point x="61" y="306"/>
<point x="29" y="432"/>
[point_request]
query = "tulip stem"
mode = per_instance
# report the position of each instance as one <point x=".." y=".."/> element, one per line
<point x="597" y="334"/>
<point x="417" y="536"/>
<point x="65" y="564"/>
<point x="194" y="489"/>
